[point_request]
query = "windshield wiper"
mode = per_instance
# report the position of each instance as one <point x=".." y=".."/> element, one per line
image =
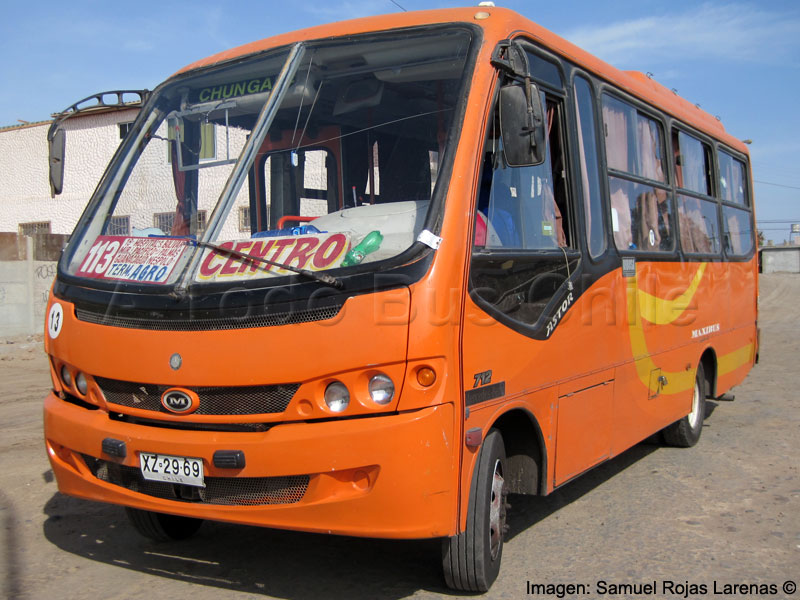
<point x="321" y="277"/>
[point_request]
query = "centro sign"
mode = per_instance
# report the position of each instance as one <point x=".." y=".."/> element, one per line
<point x="180" y="401"/>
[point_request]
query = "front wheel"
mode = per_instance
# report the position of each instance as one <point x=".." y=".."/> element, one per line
<point x="471" y="560"/>
<point x="686" y="431"/>
<point x="161" y="527"/>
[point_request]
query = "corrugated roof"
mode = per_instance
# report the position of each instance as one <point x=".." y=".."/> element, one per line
<point x="23" y="125"/>
<point x="91" y="110"/>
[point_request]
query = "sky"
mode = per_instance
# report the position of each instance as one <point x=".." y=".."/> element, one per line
<point x="740" y="61"/>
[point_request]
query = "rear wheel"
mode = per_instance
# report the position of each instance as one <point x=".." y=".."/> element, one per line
<point x="161" y="527"/>
<point x="686" y="431"/>
<point x="471" y="560"/>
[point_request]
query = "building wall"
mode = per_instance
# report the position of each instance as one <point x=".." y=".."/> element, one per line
<point x="24" y="184"/>
<point x="25" y="189"/>
<point x="27" y="268"/>
<point x="780" y="260"/>
<point x="25" y="192"/>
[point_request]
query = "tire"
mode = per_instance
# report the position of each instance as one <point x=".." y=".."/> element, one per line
<point x="471" y="560"/>
<point x="685" y="432"/>
<point x="161" y="527"/>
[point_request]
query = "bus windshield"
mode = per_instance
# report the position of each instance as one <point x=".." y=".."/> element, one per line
<point x="321" y="156"/>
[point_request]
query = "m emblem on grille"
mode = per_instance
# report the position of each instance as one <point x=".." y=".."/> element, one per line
<point x="180" y="401"/>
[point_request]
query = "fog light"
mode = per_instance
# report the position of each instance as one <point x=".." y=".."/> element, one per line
<point x="336" y="396"/>
<point x="381" y="389"/>
<point x="66" y="376"/>
<point x="81" y="384"/>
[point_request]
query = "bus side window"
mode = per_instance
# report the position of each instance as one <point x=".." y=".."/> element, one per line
<point x="697" y="209"/>
<point x="590" y="171"/>
<point x="523" y="226"/>
<point x="737" y="219"/>
<point x="731" y="179"/>
<point x="525" y="206"/>
<point x="641" y="213"/>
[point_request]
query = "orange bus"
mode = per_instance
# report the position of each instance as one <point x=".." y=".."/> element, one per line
<point x="369" y="278"/>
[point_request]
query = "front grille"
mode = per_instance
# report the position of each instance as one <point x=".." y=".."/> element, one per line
<point x="165" y="323"/>
<point x="228" y="491"/>
<point x="251" y="400"/>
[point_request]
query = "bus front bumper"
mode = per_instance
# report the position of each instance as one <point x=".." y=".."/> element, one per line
<point x="391" y="476"/>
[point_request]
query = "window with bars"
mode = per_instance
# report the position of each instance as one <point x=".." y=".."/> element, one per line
<point x="244" y="218"/>
<point x="119" y="225"/>
<point x="165" y="221"/>
<point x="200" y="217"/>
<point x="34" y="228"/>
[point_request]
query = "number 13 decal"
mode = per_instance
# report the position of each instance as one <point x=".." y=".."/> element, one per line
<point x="55" y="320"/>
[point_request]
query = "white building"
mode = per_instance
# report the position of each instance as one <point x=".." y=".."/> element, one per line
<point x="28" y="207"/>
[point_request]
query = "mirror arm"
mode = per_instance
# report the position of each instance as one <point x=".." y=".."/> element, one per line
<point x="510" y="58"/>
<point x="89" y="103"/>
<point x="528" y="97"/>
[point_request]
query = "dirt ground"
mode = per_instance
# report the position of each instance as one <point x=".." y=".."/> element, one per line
<point x="691" y="523"/>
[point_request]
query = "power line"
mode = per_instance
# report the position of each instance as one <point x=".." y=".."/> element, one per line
<point x="398" y="6"/>
<point x="791" y="187"/>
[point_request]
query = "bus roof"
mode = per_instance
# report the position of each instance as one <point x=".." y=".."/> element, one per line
<point x="501" y="23"/>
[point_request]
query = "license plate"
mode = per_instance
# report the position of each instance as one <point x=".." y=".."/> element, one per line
<point x="174" y="469"/>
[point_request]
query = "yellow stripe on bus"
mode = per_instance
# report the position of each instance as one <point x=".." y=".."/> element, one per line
<point x="663" y="312"/>
<point x="678" y="381"/>
<point x="733" y="360"/>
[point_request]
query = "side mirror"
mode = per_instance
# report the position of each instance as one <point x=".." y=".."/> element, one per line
<point x="56" y="161"/>
<point x="56" y="136"/>
<point x="522" y="124"/>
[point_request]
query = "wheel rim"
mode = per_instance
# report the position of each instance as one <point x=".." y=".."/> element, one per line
<point x="694" y="416"/>
<point x="497" y="511"/>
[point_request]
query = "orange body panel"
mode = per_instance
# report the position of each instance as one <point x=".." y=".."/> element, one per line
<point x="386" y="477"/>
<point x="243" y="356"/>
<point x="604" y="343"/>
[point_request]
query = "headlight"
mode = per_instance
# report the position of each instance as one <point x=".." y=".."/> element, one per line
<point x="66" y="376"/>
<point x="80" y="383"/>
<point x="381" y="389"/>
<point x="336" y="396"/>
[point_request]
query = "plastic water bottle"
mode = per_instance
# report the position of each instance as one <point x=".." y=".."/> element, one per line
<point x="368" y="245"/>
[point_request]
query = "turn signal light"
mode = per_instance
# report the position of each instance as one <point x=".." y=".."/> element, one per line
<point x="426" y="376"/>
